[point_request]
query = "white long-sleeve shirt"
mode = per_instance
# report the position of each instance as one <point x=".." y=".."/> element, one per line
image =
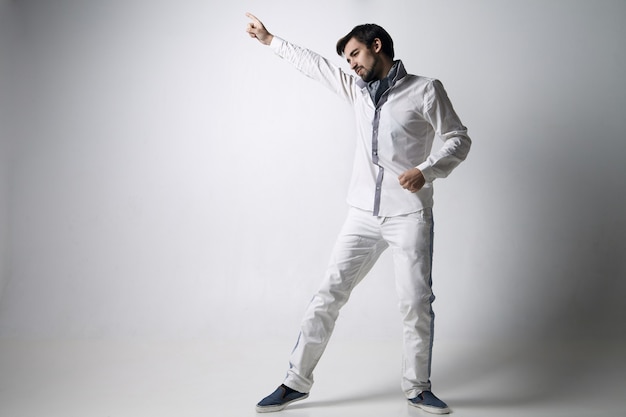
<point x="394" y="135"/>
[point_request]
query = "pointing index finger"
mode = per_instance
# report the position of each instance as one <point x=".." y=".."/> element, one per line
<point x="254" y="18"/>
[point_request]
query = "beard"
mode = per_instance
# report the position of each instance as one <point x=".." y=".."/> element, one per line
<point x="369" y="74"/>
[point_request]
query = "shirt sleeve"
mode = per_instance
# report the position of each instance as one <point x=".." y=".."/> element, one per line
<point x="316" y="67"/>
<point x="439" y="112"/>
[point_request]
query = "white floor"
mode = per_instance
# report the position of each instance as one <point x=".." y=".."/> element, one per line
<point x="209" y="378"/>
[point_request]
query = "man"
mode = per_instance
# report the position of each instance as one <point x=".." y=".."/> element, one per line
<point x="390" y="199"/>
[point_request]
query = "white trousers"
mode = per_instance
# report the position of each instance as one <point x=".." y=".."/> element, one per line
<point x="362" y="239"/>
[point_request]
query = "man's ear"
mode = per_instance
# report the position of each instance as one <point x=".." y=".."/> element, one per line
<point x="377" y="45"/>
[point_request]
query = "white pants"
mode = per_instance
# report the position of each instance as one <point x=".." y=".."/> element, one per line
<point x="361" y="241"/>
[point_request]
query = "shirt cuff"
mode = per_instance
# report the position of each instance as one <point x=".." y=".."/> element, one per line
<point x="276" y="43"/>
<point x="427" y="171"/>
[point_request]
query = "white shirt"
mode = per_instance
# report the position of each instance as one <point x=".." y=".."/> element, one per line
<point x="392" y="137"/>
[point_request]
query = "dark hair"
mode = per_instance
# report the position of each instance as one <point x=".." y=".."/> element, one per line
<point x="366" y="34"/>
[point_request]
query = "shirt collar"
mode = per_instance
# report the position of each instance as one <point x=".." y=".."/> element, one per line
<point x="396" y="73"/>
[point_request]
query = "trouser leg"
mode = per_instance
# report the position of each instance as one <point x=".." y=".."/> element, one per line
<point x="357" y="248"/>
<point x="410" y="239"/>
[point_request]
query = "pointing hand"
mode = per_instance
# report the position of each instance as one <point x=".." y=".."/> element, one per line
<point x="257" y="30"/>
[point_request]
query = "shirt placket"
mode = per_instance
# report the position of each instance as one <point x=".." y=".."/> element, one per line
<point x="375" y="158"/>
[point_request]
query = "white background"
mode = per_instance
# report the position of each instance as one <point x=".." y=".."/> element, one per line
<point x="162" y="175"/>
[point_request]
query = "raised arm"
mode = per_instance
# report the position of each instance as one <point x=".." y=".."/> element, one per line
<point x="306" y="61"/>
<point x="256" y="29"/>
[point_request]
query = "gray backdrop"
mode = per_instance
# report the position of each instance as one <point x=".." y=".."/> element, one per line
<point x="163" y="175"/>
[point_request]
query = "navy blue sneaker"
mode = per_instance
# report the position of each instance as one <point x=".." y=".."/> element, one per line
<point x="279" y="399"/>
<point x="429" y="403"/>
